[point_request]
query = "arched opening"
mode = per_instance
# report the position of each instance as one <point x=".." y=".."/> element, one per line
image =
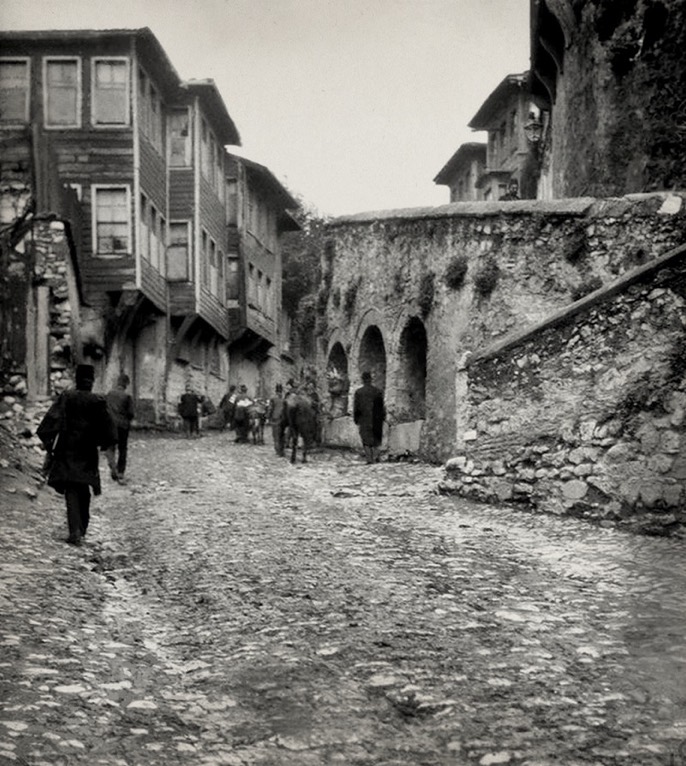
<point x="411" y="383"/>
<point x="373" y="356"/>
<point x="337" y="380"/>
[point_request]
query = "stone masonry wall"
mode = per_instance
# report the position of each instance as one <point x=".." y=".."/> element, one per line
<point x="587" y="414"/>
<point x="524" y="260"/>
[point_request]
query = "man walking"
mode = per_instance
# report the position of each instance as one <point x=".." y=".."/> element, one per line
<point x="71" y="431"/>
<point x="120" y="406"/>
<point x="188" y="409"/>
<point x="369" y="414"/>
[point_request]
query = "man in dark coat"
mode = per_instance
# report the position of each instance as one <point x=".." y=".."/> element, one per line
<point x="369" y="414"/>
<point x="120" y="406"/>
<point x="275" y="414"/>
<point x="188" y="409"/>
<point x="71" y="431"/>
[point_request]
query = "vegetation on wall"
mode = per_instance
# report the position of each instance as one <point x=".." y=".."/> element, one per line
<point x="456" y="272"/>
<point x="350" y="298"/>
<point x="486" y="277"/>
<point x="425" y="298"/>
<point x="301" y="254"/>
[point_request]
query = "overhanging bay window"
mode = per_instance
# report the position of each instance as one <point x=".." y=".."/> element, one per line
<point x="178" y="252"/>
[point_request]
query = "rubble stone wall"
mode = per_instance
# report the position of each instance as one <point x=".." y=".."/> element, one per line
<point x="523" y="262"/>
<point x="586" y="415"/>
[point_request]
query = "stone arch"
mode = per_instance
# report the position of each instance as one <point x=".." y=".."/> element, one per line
<point x="410" y="378"/>
<point x="338" y="379"/>
<point x="372" y="355"/>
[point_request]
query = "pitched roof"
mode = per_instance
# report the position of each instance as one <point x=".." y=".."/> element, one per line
<point x="464" y="154"/>
<point x="499" y="98"/>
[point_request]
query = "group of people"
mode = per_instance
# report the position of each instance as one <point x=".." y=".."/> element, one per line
<point x="80" y="422"/>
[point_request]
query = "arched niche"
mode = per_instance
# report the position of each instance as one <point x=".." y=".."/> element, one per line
<point x="372" y="356"/>
<point x="338" y="379"/>
<point x="410" y="398"/>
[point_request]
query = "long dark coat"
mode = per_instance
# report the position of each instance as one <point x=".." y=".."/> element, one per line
<point x="369" y="414"/>
<point x="73" y="429"/>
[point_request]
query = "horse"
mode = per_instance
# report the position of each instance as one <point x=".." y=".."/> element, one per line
<point x="300" y="419"/>
<point x="257" y="415"/>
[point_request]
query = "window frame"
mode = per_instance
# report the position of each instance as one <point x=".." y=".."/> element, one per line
<point x="189" y="232"/>
<point x="95" y="188"/>
<point x="188" y="145"/>
<point x="27" y="91"/>
<point x="79" y="92"/>
<point x="127" y="90"/>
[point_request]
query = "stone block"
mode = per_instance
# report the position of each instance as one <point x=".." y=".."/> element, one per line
<point x="649" y="437"/>
<point x="660" y="463"/>
<point x="469" y="436"/>
<point x="650" y="493"/>
<point x="575" y="489"/>
<point x="670" y="442"/>
<point x="619" y="452"/>
<point x="672" y="495"/>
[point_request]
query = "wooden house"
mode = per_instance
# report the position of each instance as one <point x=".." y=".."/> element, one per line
<point x="144" y="152"/>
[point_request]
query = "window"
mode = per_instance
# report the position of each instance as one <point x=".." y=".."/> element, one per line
<point x="179" y="138"/>
<point x="144" y="229"/>
<point x="268" y="298"/>
<point x="110" y="92"/>
<point x="205" y="150"/>
<point x="111" y="218"/>
<point x="214" y="286"/>
<point x="14" y="91"/>
<point x="62" y="92"/>
<point x="232" y="279"/>
<point x="154" y="241"/>
<point x="204" y="266"/>
<point x="178" y="253"/>
<point x="150" y="111"/>
<point x="221" y="278"/>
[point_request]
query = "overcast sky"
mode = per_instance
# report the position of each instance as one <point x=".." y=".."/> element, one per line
<point x="354" y="104"/>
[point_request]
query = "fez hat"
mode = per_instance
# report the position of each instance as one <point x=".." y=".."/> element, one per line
<point x="85" y="372"/>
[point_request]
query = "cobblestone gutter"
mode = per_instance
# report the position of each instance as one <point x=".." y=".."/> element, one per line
<point x="584" y="415"/>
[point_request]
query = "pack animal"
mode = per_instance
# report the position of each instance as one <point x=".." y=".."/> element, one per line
<point x="300" y="419"/>
<point x="257" y="416"/>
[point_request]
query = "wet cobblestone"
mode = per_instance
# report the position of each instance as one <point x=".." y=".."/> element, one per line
<point x="229" y="608"/>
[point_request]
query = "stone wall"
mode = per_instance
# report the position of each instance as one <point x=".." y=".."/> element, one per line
<point x="585" y="414"/>
<point x="521" y="261"/>
<point x="619" y="107"/>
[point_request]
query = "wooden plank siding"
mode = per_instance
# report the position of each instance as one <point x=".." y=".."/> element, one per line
<point x="102" y="275"/>
<point x="181" y="194"/>
<point x="153" y="285"/>
<point x="181" y="298"/>
<point x="213" y="311"/>
<point x="153" y="175"/>
<point x="212" y="218"/>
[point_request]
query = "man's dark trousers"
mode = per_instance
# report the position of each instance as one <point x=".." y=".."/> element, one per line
<point x="122" y="449"/>
<point x="78" y="499"/>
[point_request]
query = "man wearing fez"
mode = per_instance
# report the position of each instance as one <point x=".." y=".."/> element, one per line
<point x="71" y="431"/>
<point x="369" y="414"/>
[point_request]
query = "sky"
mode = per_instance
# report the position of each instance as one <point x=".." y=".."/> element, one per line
<point x="355" y="105"/>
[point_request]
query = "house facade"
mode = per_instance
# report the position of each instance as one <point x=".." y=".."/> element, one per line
<point x="258" y="216"/>
<point x="144" y="152"/>
<point x="463" y="171"/>
<point x="506" y="116"/>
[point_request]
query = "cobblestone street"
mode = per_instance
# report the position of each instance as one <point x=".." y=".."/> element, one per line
<point x="230" y="608"/>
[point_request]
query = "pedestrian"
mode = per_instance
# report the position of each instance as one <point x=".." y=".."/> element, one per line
<point x="275" y="413"/>
<point x="120" y="406"/>
<point x="369" y="414"/>
<point x="512" y="190"/>
<point x="188" y="409"/>
<point x="72" y="430"/>
<point x="227" y="407"/>
<point x="240" y="415"/>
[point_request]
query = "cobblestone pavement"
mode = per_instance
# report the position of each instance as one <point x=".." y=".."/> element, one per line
<point x="229" y="608"/>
